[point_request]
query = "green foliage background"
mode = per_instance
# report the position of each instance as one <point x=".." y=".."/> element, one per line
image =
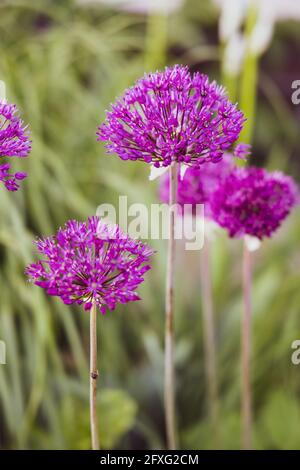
<point x="63" y="65"/>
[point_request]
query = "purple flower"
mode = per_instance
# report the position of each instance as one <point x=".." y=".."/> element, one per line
<point x="197" y="185"/>
<point x="10" y="180"/>
<point x="14" y="142"/>
<point x="90" y="263"/>
<point x="172" y="116"/>
<point x="251" y="201"/>
<point x="242" y="151"/>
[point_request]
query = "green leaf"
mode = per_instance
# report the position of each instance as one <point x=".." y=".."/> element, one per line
<point x="279" y="427"/>
<point x="117" y="412"/>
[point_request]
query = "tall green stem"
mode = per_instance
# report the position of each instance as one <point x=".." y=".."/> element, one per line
<point x="93" y="378"/>
<point x="246" y="352"/>
<point x="229" y="80"/>
<point x="248" y="93"/>
<point x="156" y="42"/>
<point x="169" y="391"/>
<point x="209" y="339"/>
<point x="2" y="90"/>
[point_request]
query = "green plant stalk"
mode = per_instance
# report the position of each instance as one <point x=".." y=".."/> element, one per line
<point x="93" y="378"/>
<point x="229" y="80"/>
<point x="209" y="339"/>
<point x="156" y="42"/>
<point x="246" y="352"/>
<point x="169" y="390"/>
<point x="248" y="92"/>
<point x="248" y="95"/>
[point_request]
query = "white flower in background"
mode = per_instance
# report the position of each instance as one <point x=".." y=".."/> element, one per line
<point x="232" y="17"/>
<point x="2" y="91"/>
<point x="270" y="12"/>
<point x="234" y="54"/>
<point x="234" y="13"/>
<point x="165" y="7"/>
<point x="282" y="9"/>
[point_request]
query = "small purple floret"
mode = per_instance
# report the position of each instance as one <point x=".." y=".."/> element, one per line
<point x="10" y="180"/>
<point x="14" y="142"/>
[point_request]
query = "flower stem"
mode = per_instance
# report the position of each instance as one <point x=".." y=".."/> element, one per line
<point x="156" y="45"/>
<point x="169" y="332"/>
<point x="209" y="339"/>
<point x="248" y="92"/>
<point x="248" y="96"/>
<point x="246" y="351"/>
<point x="93" y="378"/>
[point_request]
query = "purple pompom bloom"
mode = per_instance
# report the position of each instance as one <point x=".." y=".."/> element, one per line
<point x="14" y="142"/>
<point x="251" y="201"/>
<point x="197" y="185"/>
<point x="172" y="116"/>
<point x="90" y="263"/>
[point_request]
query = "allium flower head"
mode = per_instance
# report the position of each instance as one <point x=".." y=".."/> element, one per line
<point x="251" y="201"/>
<point x="197" y="185"/>
<point x="172" y="116"/>
<point x="14" y="142"/>
<point x="90" y="263"/>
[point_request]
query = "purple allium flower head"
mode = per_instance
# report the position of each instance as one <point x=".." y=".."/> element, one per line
<point x="14" y="142"/>
<point x="197" y="185"/>
<point x="251" y="201"/>
<point x="90" y="263"/>
<point x="172" y="116"/>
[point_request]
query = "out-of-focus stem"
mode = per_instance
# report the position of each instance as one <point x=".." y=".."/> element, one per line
<point x="169" y="391"/>
<point x="156" y="41"/>
<point x="93" y="378"/>
<point x="231" y="84"/>
<point x="246" y="352"/>
<point x="248" y="94"/>
<point x="2" y="91"/>
<point x="229" y="80"/>
<point x="209" y="339"/>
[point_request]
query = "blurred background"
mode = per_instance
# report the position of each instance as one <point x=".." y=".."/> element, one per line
<point x="63" y="63"/>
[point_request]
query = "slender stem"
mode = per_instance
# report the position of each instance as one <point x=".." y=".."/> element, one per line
<point x="156" y="46"/>
<point x="2" y="90"/>
<point x="209" y="339"/>
<point x="169" y="332"/>
<point x="229" y="80"/>
<point x="248" y="93"/>
<point x="93" y="378"/>
<point x="246" y="351"/>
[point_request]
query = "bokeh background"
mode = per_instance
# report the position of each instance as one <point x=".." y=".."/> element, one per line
<point x="63" y="63"/>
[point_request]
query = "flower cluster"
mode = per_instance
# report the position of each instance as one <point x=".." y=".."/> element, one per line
<point x="90" y="263"/>
<point x="172" y="116"/>
<point x="14" y="142"/>
<point x="197" y="185"/>
<point x="251" y="201"/>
